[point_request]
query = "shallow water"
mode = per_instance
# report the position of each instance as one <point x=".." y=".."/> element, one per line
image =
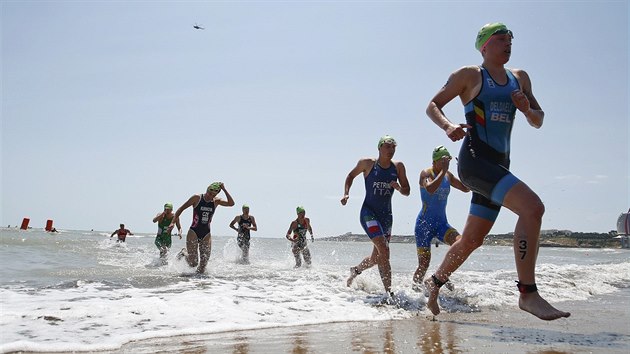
<point x="80" y="290"/>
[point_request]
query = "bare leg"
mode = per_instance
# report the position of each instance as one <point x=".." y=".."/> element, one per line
<point x="380" y="256"/>
<point x="474" y="232"/>
<point x="450" y="238"/>
<point x="366" y="263"/>
<point x="205" y="248"/>
<point x="424" y="259"/>
<point x="296" y="253"/>
<point x="529" y="208"/>
<point x="163" y="254"/>
<point x="192" y="247"/>
<point x="307" y="256"/>
<point x="382" y="260"/>
<point x="245" y="254"/>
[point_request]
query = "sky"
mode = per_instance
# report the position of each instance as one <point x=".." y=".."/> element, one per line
<point x="111" y="109"/>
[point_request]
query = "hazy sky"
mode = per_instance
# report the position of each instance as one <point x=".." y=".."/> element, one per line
<point x="111" y="109"/>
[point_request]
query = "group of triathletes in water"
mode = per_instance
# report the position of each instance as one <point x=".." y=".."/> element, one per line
<point x="491" y="95"/>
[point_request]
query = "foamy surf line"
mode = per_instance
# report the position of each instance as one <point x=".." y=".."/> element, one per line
<point x="91" y="319"/>
<point x="94" y="316"/>
<point x="598" y="326"/>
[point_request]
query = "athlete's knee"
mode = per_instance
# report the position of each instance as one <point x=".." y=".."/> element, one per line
<point x="535" y="210"/>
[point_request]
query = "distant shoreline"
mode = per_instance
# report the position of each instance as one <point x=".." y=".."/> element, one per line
<point x="548" y="238"/>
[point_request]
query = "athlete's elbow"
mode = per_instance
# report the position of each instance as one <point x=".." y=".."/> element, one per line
<point x="431" y="108"/>
<point x="537" y="120"/>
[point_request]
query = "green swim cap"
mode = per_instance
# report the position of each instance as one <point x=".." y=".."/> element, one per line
<point x="245" y="206"/>
<point x="488" y="31"/>
<point x="168" y="206"/>
<point x="386" y="139"/>
<point x="440" y="152"/>
<point x="300" y="209"/>
<point x="214" y="187"/>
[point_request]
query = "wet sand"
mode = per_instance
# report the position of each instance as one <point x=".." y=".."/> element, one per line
<point x="600" y="325"/>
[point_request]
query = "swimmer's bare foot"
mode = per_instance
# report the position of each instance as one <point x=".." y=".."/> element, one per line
<point x="353" y="274"/>
<point x="539" y="307"/>
<point x="433" y="291"/>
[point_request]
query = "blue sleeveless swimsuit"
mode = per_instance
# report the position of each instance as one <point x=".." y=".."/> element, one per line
<point x="431" y="221"/>
<point x="376" y="212"/>
<point x="202" y="216"/>
<point x="484" y="158"/>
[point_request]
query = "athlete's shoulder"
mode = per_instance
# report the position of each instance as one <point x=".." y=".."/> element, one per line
<point x="398" y="163"/>
<point x="468" y="70"/>
<point x="462" y="79"/>
<point x="366" y="163"/>
<point x="516" y="71"/>
<point x="520" y="74"/>
<point x="367" y="160"/>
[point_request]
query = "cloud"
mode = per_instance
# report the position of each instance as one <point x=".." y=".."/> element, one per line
<point x="572" y="178"/>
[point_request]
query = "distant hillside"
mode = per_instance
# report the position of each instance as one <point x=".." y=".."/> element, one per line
<point x="548" y="238"/>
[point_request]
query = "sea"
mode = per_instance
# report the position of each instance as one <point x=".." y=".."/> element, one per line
<point x="83" y="291"/>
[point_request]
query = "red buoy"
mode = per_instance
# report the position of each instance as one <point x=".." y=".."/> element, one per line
<point x="25" y="222"/>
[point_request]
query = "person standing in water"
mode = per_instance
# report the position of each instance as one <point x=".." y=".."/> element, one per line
<point x="492" y="94"/>
<point x="246" y="223"/>
<point x="297" y="235"/>
<point x="122" y="233"/>
<point x="198" y="239"/>
<point x="435" y="186"/>
<point x="163" y="239"/>
<point x="382" y="177"/>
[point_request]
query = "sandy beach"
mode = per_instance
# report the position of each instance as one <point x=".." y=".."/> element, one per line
<point x="506" y="331"/>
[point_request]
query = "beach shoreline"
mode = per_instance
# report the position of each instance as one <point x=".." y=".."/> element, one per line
<point x="596" y="325"/>
<point x="119" y="302"/>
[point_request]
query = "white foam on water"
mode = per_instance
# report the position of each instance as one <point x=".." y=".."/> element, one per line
<point x="89" y="294"/>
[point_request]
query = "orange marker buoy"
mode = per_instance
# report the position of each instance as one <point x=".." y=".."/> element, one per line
<point x="25" y="222"/>
<point x="49" y="224"/>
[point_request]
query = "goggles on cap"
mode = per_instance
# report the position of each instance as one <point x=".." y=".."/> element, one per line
<point x="386" y="140"/>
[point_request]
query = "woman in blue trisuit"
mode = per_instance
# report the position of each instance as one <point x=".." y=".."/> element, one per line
<point x="492" y="94"/>
<point x="435" y="186"/>
<point x="382" y="177"/>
